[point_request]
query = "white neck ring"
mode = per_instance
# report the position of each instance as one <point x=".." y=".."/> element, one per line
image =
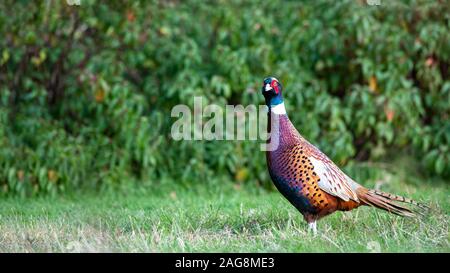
<point x="278" y="109"/>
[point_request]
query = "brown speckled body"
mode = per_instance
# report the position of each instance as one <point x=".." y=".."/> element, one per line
<point x="293" y="173"/>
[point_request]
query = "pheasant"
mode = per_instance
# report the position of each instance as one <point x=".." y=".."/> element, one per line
<point x="307" y="178"/>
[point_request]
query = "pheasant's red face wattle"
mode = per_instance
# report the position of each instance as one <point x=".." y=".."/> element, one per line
<point x="275" y="86"/>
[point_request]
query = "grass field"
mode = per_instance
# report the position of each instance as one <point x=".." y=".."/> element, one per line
<point x="225" y="219"/>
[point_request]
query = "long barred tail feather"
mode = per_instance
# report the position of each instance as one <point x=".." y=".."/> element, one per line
<point x="401" y="199"/>
<point x="391" y="202"/>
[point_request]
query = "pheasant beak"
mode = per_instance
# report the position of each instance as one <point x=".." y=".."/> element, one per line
<point x="268" y="87"/>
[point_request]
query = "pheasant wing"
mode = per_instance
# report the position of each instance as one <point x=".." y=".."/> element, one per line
<point x="332" y="179"/>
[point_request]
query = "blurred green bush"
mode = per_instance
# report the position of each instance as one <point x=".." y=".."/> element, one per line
<point x="86" y="90"/>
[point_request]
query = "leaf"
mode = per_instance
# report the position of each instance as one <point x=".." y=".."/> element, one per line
<point x="390" y="113"/>
<point x="99" y="95"/>
<point x="440" y="164"/>
<point x="5" y="57"/>
<point x="373" y="86"/>
<point x="241" y="174"/>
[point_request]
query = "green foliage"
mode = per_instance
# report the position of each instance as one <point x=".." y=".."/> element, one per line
<point x="86" y="91"/>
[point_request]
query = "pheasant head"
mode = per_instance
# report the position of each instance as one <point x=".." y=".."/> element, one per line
<point x="272" y="91"/>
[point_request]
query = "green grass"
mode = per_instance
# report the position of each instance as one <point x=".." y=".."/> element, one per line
<point x="221" y="219"/>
